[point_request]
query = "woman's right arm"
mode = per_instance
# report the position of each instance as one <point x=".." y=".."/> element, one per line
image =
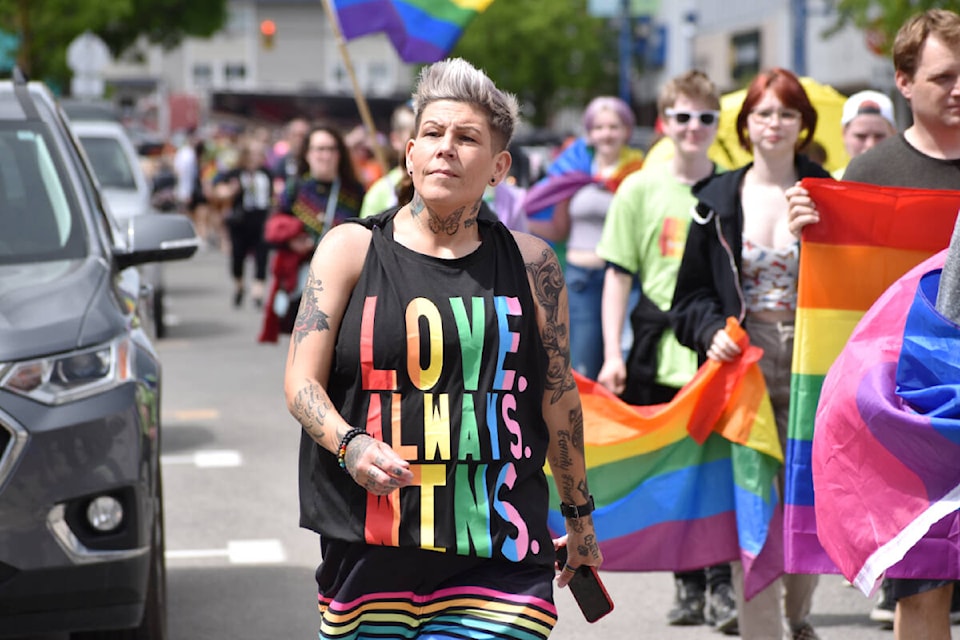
<point x="334" y="272"/>
<point x="695" y="312"/>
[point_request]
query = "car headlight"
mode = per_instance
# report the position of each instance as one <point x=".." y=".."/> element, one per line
<point x="66" y="377"/>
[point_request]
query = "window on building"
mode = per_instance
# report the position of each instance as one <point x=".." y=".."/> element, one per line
<point x="234" y="73"/>
<point x="746" y="55"/>
<point x="379" y="75"/>
<point x="341" y="80"/>
<point x="202" y="75"/>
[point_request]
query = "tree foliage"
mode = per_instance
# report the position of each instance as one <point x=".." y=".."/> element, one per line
<point x="550" y="54"/>
<point x="883" y="17"/>
<point x="46" y="27"/>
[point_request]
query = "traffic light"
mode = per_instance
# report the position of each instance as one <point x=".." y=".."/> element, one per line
<point x="268" y="29"/>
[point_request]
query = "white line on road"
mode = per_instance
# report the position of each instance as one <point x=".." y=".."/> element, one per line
<point x="191" y="415"/>
<point x="237" y="552"/>
<point x="206" y="459"/>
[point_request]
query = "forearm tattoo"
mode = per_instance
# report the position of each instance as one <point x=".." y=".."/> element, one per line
<point x="310" y="317"/>
<point x="449" y="225"/>
<point x="310" y="408"/>
<point x="547" y="280"/>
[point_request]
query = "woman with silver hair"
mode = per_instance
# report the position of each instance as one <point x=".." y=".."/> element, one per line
<point x="430" y="370"/>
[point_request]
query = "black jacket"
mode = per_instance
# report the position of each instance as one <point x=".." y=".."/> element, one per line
<point x="708" y="284"/>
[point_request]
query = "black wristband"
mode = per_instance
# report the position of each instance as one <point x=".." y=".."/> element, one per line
<point x="577" y="510"/>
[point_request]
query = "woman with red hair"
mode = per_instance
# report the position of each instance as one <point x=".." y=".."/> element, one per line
<point x="741" y="260"/>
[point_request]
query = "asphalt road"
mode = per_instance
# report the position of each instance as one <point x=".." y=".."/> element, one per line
<point x="239" y="568"/>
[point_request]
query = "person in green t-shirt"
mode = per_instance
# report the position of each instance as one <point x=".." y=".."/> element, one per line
<point x="382" y="193"/>
<point x="644" y="236"/>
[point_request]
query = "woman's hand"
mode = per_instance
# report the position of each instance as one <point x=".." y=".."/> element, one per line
<point x="375" y="466"/>
<point x="582" y="548"/>
<point x="723" y="348"/>
<point x="802" y="211"/>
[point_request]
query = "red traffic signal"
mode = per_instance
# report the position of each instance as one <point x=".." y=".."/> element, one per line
<point x="268" y="29"/>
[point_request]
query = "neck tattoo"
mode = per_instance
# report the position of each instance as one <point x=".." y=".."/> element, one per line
<point x="436" y="224"/>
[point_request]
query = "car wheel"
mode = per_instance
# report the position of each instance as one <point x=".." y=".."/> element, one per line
<point x="160" y="327"/>
<point x="153" y="626"/>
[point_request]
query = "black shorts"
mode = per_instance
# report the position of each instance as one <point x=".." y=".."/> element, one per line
<point x="906" y="587"/>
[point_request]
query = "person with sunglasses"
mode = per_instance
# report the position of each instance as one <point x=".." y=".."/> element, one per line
<point x="741" y="260"/>
<point x="643" y="237"/>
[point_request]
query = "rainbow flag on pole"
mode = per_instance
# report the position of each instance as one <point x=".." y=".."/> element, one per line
<point x="420" y="30"/>
<point x="691" y="483"/>
<point x="867" y="237"/>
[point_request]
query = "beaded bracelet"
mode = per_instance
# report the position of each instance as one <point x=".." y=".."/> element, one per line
<point x="344" y="441"/>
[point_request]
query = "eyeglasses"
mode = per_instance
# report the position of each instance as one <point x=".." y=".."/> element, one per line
<point x="328" y="149"/>
<point x="706" y="118"/>
<point x="787" y="116"/>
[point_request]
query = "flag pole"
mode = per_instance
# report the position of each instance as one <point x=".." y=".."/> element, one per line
<point x="358" y="96"/>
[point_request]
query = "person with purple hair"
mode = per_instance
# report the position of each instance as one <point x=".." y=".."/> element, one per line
<point x="579" y="186"/>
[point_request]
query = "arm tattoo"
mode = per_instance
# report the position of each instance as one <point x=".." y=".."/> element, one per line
<point x="310" y="409"/>
<point x="438" y="225"/>
<point x="310" y="317"/>
<point x="547" y="285"/>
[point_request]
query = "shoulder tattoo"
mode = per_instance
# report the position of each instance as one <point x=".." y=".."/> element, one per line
<point x="547" y="278"/>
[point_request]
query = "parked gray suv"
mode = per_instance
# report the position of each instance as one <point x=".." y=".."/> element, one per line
<point x="81" y="503"/>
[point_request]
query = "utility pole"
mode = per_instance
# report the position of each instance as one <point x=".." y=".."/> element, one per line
<point x="798" y="11"/>
<point x="626" y="52"/>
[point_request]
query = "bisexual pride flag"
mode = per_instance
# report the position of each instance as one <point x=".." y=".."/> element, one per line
<point x="885" y="457"/>
<point x="866" y="239"/>
<point x="691" y="483"/>
<point x="420" y="30"/>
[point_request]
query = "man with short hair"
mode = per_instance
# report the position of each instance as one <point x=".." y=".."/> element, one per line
<point x="926" y="57"/>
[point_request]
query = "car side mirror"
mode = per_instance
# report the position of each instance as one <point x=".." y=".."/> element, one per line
<point x="157" y="237"/>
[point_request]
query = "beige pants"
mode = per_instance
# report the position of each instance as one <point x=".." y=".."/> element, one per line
<point x="769" y="614"/>
<point x="786" y="601"/>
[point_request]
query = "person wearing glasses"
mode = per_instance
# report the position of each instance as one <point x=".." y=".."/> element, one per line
<point x="643" y="237"/>
<point x="741" y="260"/>
<point x="579" y="186"/>
<point x="324" y="192"/>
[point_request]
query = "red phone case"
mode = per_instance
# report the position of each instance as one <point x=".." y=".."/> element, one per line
<point x="587" y="589"/>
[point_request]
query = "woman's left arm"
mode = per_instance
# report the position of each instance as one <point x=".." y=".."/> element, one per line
<point x="561" y="407"/>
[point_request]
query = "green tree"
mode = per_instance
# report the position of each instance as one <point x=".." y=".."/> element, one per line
<point x="550" y="54"/>
<point x="883" y="17"/>
<point x="46" y="27"/>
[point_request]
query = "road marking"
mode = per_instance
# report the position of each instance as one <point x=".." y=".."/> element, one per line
<point x="211" y="459"/>
<point x="192" y="415"/>
<point x="256" y="551"/>
<point x="237" y="552"/>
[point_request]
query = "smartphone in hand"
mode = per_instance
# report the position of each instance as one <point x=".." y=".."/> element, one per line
<point x="587" y="589"/>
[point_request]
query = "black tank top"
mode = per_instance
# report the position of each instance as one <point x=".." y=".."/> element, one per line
<point x="441" y="359"/>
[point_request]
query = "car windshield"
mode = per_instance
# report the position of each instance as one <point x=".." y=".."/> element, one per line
<point x="109" y="162"/>
<point x="38" y="217"/>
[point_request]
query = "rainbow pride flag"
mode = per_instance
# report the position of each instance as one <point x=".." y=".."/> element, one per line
<point x="888" y="440"/>
<point x="420" y="30"/>
<point x="691" y="483"/>
<point x="867" y="237"/>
